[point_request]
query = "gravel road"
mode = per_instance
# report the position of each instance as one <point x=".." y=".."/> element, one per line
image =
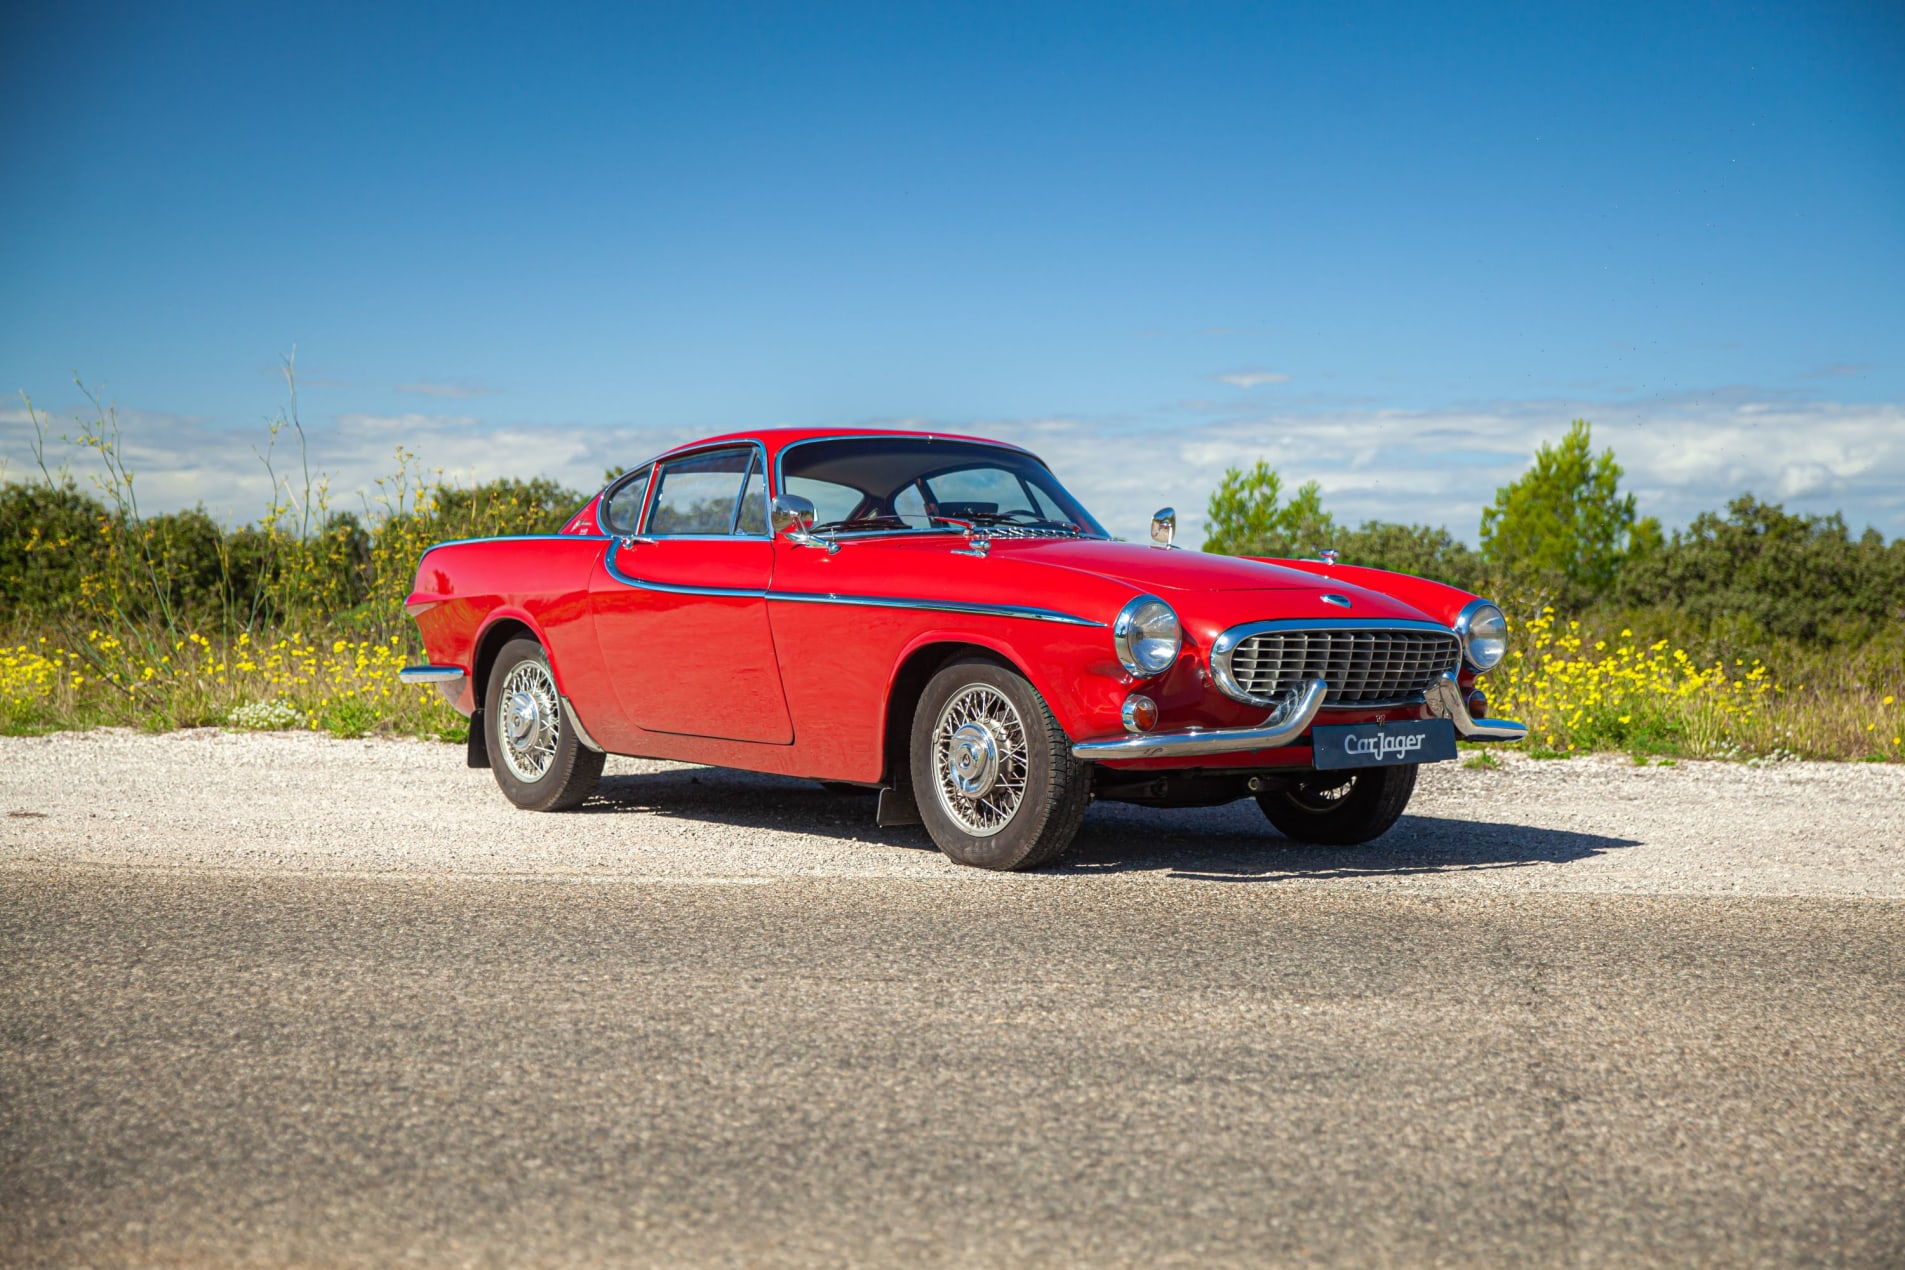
<point x="281" y="999"/>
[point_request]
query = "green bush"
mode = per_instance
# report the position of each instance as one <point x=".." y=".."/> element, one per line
<point x="1759" y="568"/>
<point x="1421" y="550"/>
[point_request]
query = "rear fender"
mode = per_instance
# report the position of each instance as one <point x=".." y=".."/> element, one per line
<point x="495" y="632"/>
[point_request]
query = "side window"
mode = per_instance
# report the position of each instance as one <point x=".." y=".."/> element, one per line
<point x="698" y="494"/>
<point x="622" y="509"/>
<point x="833" y="503"/>
<point x="753" y="517"/>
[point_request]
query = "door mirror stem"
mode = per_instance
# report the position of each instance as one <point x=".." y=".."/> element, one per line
<point x="793" y="519"/>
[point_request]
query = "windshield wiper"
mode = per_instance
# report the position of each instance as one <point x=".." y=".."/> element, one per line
<point x="864" y="522"/>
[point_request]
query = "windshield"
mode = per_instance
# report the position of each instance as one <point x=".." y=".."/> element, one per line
<point x="891" y="484"/>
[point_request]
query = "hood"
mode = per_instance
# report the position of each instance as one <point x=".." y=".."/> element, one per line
<point x="1153" y="569"/>
<point x="1089" y="578"/>
<point x="1221" y="589"/>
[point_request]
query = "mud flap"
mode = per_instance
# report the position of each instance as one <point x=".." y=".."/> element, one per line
<point x="897" y="807"/>
<point x="478" y="753"/>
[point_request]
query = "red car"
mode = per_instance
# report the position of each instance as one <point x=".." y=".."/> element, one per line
<point x="935" y="617"/>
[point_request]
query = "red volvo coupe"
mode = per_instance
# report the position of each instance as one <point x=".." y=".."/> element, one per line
<point x="935" y="617"/>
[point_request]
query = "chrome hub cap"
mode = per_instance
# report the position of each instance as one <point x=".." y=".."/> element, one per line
<point x="979" y="760"/>
<point x="975" y="760"/>
<point x="523" y="717"/>
<point x="531" y="721"/>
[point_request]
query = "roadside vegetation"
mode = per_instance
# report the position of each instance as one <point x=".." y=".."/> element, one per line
<point x="110" y="615"/>
<point x="1752" y="634"/>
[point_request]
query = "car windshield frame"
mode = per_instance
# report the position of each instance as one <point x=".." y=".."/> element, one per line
<point x="941" y="456"/>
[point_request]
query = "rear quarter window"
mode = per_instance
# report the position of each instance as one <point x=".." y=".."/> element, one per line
<point x="621" y="511"/>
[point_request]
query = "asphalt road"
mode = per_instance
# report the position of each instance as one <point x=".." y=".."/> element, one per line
<point x="1186" y="1045"/>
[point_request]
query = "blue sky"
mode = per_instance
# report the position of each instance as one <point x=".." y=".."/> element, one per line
<point x="1391" y="249"/>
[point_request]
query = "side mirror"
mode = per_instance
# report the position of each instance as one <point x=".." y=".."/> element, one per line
<point x="793" y="516"/>
<point x="1163" y="526"/>
<point x="793" y="519"/>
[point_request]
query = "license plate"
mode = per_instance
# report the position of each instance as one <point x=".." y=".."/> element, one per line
<point x="1382" y="744"/>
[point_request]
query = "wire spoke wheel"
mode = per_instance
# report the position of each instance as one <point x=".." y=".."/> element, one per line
<point x="530" y="722"/>
<point x="1340" y="809"/>
<point x="980" y="763"/>
<point x="1322" y="794"/>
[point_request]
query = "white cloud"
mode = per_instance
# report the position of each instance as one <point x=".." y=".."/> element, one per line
<point x="1433" y="466"/>
<point x="1442" y="467"/>
<point x="180" y="461"/>
<point x="445" y="390"/>
<point x="1252" y="378"/>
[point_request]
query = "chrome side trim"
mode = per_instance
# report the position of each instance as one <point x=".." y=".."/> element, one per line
<point x="1446" y="702"/>
<point x="936" y="606"/>
<point x="861" y="601"/>
<point x="1190" y="741"/>
<point x="575" y="721"/>
<point x="428" y="674"/>
<point x="675" y="588"/>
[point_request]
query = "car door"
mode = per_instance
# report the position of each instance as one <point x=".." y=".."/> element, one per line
<point x="680" y="605"/>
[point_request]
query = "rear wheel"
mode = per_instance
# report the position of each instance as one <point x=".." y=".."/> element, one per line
<point x="993" y="773"/>
<point x="1341" y="809"/>
<point x="537" y="758"/>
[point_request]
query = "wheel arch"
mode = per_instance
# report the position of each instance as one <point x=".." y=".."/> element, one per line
<point x="500" y="629"/>
<point x="915" y="670"/>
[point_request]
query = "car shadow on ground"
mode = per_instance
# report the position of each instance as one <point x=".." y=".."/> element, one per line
<point x="1236" y="844"/>
<point x="1233" y="843"/>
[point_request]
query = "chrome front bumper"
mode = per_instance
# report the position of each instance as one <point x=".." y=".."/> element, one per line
<point x="1294" y="723"/>
<point x="1444" y="699"/>
<point x="1445" y="702"/>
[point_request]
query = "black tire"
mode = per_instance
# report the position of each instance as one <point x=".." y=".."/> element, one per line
<point x="1053" y="788"/>
<point x="1341" y="809"/>
<point x="572" y="769"/>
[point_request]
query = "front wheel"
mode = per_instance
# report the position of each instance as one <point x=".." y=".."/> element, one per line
<point x="993" y="773"/>
<point x="536" y="757"/>
<point x="1341" y="809"/>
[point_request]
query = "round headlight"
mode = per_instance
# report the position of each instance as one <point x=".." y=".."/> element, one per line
<point x="1147" y="636"/>
<point x="1484" y="633"/>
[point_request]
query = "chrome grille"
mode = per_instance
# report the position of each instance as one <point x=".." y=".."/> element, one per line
<point x="1361" y="667"/>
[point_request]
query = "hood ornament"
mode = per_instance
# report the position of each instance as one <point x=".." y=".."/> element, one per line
<point x="1340" y="601"/>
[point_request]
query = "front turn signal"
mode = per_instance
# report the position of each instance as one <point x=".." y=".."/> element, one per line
<point x="1140" y="713"/>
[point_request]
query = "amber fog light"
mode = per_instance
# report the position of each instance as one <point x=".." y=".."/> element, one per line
<point x="1477" y="704"/>
<point x="1140" y="713"/>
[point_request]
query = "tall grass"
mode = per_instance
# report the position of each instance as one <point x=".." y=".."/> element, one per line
<point x="114" y="616"/>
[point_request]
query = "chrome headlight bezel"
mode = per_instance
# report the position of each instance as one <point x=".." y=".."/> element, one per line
<point x="1483" y="629"/>
<point x="1140" y="634"/>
